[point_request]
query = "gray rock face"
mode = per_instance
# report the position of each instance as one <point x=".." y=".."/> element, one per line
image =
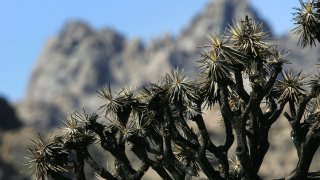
<point x="76" y="62"/>
<point x="217" y="16"/>
<point x="73" y="64"/>
<point x="80" y="60"/>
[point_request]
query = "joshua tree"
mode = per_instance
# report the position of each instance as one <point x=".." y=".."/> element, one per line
<point x="153" y="120"/>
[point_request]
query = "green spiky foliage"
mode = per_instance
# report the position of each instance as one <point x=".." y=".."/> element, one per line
<point x="315" y="83"/>
<point x="235" y="168"/>
<point x="47" y="157"/>
<point x="249" y="36"/>
<point x="163" y="123"/>
<point x="290" y="87"/>
<point x="307" y="19"/>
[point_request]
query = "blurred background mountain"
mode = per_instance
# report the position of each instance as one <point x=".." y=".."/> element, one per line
<point x="80" y="59"/>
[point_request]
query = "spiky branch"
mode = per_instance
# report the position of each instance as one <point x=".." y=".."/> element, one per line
<point x="154" y="120"/>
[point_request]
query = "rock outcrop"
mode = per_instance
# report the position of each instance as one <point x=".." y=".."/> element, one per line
<point x="80" y="60"/>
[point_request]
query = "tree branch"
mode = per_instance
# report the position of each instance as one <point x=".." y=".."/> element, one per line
<point x="268" y="86"/>
<point x="238" y="86"/>
<point x="99" y="170"/>
<point x="301" y="109"/>
<point x="276" y="114"/>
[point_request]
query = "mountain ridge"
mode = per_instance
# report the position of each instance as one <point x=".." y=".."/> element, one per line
<point x="80" y="60"/>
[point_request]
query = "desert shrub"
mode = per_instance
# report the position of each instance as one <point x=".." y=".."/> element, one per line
<point x="153" y="120"/>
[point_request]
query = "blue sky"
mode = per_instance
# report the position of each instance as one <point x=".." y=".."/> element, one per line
<point x="26" y="25"/>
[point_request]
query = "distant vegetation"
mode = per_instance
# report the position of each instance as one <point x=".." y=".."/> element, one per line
<point x="155" y="121"/>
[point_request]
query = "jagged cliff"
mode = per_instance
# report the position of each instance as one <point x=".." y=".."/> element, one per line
<point x="80" y="60"/>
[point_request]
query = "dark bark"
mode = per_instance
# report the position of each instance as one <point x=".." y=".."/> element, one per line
<point x="99" y="170"/>
<point x="79" y="168"/>
<point x="307" y="151"/>
<point x="57" y="176"/>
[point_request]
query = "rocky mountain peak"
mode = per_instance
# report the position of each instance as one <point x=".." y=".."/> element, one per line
<point x="73" y="64"/>
<point x="133" y="47"/>
<point x="75" y="30"/>
<point x="215" y="18"/>
<point x="71" y="34"/>
<point x="113" y="41"/>
<point x="80" y="60"/>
